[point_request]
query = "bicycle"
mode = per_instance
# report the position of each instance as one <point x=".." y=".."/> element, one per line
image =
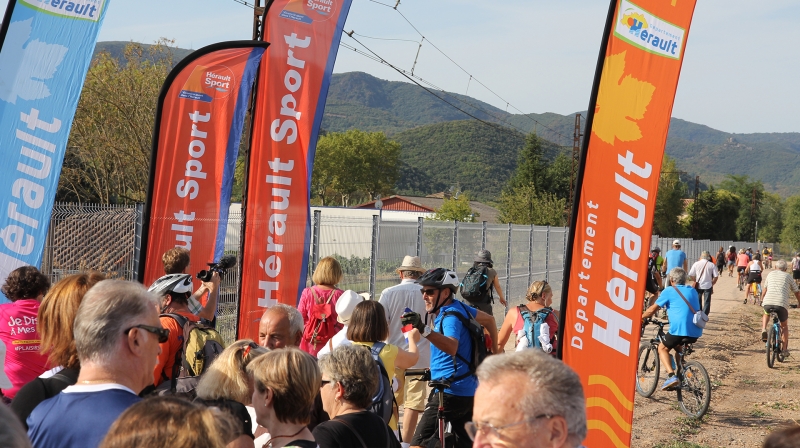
<point x="439" y="386"/>
<point x="742" y="280"/>
<point x="694" y="384"/>
<point x="774" y="341"/>
<point x="755" y="291"/>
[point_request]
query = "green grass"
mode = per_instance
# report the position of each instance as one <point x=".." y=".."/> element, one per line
<point x="750" y="382"/>
<point x="758" y="413"/>
<point x="686" y="426"/>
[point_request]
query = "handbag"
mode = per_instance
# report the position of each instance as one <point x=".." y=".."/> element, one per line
<point x="697" y="280"/>
<point x="700" y="318"/>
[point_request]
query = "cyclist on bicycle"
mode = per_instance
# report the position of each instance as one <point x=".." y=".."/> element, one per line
<point x="731" y="258"/>
<point x="777" y="291"/>
<point x="451" y="354"/>
<point x="766" y="257"/>
<point x="796" y="268"/>
<point x="742" y="260"/>
<point x="753" y="271"/>
<point x="682" y="330"/>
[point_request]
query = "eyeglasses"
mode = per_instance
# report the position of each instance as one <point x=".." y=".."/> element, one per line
<point x="428" y="292"/>
<point x="492" y="431"/>
<point x="325" y="382"/>
<point x="162" y="333"/>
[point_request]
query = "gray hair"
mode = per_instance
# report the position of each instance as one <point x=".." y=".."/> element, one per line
<point x="296" y="323"/>
<point x="553" y="387"/>
<point x="106" y="311"/>
<point x="677" y="276"/>
<point x="705" y="254"/>
<point x="352" y="366"/>
<point x="411" y="274"/>
<point x="781" y="265"/>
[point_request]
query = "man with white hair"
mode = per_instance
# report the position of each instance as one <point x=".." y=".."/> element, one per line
<point x="117" y="336"/>
<point x="527" y="399"/>
<point x="705" y="275"/>
<point x="280" y="326"/>
<point x="779" y="287"/>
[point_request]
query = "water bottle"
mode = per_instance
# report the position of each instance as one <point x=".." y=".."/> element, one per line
<point x="407" y="327"/>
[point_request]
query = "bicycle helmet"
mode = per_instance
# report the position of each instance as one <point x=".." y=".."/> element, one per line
<point x="177" y="283"/>
<point x="656" y="249"/>
<point x="440" y="278"/>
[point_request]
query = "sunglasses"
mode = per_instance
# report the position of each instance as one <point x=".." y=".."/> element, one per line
<point x="325" y="382"/>
<point x="428" y="292"/>
<point x="162" y="333"/>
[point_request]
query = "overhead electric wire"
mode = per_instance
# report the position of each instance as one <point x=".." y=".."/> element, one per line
<point x="385" y="38"/>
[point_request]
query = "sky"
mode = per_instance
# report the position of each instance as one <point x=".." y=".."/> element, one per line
<point x="740" y="71"/>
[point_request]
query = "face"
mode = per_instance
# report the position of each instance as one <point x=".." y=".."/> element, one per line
<point x="548" y="298"/>
<point x="274" y="331"/>
<point x="150" y="347"/>
<point x="259" y="405"/>
<point x="328" y="395"/>
<point x="431" y="296"/>
<point x="496" y="403"/>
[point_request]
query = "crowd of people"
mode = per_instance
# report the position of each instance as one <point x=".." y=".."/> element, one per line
<point x="100" y="362"/>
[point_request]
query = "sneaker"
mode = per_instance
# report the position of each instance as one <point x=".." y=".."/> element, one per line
<point x="670" y="384"/>
<point x="764" y="335"/>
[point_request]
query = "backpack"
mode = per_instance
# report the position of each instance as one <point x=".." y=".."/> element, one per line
<point x="796" y="264"/>
<point x="201" y="346"/>
<point x="479" y="341"/>
<point x="321" y="327"/>
<point x="720" y="259"/>
<point x="382" y="401"/>
<point x="475" y="285"/>
<point x="533" y="322"/>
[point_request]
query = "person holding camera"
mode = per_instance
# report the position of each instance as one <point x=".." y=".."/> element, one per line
<point x="176" y="261"/>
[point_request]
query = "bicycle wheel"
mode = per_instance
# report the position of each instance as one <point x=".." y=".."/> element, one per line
<point x="647" y="371"/>
<point x="772" y="344"/>
<point x="741" y="283"/>
<point x="694" y="393"/>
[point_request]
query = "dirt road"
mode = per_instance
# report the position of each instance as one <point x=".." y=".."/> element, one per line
<point x="748" y="399"/>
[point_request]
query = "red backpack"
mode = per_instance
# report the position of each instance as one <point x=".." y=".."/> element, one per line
<point x="321" y="327"/>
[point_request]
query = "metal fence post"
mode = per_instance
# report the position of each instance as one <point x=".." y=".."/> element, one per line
<point x="419" y="236"/>
<point x="455" y="245"/>
<point x="530" y="256"/>
<point x="373" y="259"/>
<point x="483" y="235"/>
<point x="317" y="223"/>
<point x="547" y="256"/>
<point x="508" y="264"/>
<point x="137" y="248"/>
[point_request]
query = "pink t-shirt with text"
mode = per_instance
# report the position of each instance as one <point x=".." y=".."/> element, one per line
<point x="18" y="331"/>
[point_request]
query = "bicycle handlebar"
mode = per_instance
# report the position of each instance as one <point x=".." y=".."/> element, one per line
<point x="424" y="373"/>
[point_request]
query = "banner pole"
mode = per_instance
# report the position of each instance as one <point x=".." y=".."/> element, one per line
<point x="6" y="21"/>
<point x="581" y="168"/>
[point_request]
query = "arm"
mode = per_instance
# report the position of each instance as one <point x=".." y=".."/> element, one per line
<point x="496" y="284"/>
<point x="659" y="280"/>
<point x="243" y="441"/>
<point x="488" y="322"/>
<point x="505" y="329"/>
<point x="796" y="296"/>
<point x="210" y="308"/>
<point x="685" y="263"/>
<point x="650" y="311"/>
<point x="444" y="343"/>
<point x="304" y="305"/>
<point x="406" y="359"/>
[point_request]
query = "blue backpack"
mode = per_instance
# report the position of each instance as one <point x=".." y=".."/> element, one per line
<point x="383" y="400"/>
<point x="533" y="321"/>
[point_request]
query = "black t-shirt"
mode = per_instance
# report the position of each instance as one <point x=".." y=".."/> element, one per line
<point x="41" y="389"/>
<point x="236" y="409"/>
<point x="340" y="432"/>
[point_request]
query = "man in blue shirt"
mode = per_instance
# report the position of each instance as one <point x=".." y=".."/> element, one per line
<point x="682" y="329"/>
<point x="117" y="336"/>
<point x="675" y="258"/>
<point x="451" y="353"/>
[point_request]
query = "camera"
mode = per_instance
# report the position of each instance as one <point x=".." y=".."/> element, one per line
<point x="221" y="267"/>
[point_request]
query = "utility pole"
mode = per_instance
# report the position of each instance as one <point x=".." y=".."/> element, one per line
<point x="258" y="26"/>
<point x="696" y="206"/>
<point x="576" y="158"/>
<point x="753" y="213"/>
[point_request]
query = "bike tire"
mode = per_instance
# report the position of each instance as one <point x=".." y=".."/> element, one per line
<point x="648" y="367"/>
<point x="694" y="393"/>
<point x="772" y="345"/>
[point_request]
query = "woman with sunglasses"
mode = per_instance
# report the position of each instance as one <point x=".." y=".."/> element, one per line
<point x="226" y="385"/>
<point x="540" y="298"/>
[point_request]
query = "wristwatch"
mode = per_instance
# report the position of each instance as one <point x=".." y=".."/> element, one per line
<point x="426" y="332"/>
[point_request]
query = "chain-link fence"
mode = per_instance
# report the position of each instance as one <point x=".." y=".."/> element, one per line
<point x="105" y="237"/>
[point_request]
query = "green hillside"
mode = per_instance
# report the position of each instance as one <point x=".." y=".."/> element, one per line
<point x="477" y="157"/>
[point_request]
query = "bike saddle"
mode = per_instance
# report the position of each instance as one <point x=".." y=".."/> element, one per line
<point x="439" y="384"/>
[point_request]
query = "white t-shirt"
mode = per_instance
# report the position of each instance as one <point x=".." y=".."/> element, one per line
<point x="704" y="271"/>
<point x="338" y="339"/>
<point x="395" y="300"/>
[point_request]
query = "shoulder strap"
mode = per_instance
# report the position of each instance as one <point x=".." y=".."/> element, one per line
<point x="355" y="433"/>
<point x="314" y="294"/>
<point x="377" y="347"/>
<point x="684" y="299"/>
<point x="182" y="321"/>
<point x="523" y="311"/>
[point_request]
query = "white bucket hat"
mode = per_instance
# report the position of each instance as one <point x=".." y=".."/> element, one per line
<point x="411" y="264"/>
<point x="346" y="304"/>
<point x="5" y="383"/>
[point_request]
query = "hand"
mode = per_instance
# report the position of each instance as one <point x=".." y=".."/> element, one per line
<point x="503" y="302"/>
<point x="414" y="335"/>
<point x="213" y="285"/>
<point x="413" y="319"/>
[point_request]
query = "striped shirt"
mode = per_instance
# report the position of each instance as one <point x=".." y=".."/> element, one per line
<point x="780" y="287"/>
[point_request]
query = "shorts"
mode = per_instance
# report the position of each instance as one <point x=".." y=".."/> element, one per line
<point x="410" y="392"/>
<point x="754" y="277"/>
<point x="796" y="275"/>
<point x="740" y="269"/>
<point x="783" y="313"/>
<point x="671" y="341"/>
<point x="731" y="263"/>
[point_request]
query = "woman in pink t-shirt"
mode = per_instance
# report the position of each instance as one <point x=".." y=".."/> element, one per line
<point x="540" y="297"/>
<point x="318" y="306"/>
<point x="25" y="287"/>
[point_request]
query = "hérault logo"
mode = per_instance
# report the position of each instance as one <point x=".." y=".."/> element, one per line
<point x="75" y="9"/>
<point x="208" y="83"/>
<point x="310" y="11"/>
<point x="648" y="32"/>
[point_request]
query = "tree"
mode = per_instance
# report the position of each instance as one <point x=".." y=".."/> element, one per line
<point x="354" y="163"/>
<point x="456" y="209"/>
<point x="751" y="195"/>
<point x="669" y="201"/>
<point x="559" y="175"/>
<point x="791" y="222"/>
<point x="523" y="205"/>
<point x="770" y="218"/>
<point x="531" y="166"/>
<point x="108" y="154"/>
<point x="715" y="213"/>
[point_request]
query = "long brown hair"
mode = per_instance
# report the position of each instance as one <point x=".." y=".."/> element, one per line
<point x="368" y="323"/>
<point x="57" y="315"/>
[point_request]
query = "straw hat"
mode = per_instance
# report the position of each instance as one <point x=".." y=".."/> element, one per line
<point x="411" y="264"/>
<point x="346" y="304"/>
<point x="5" y="383"/>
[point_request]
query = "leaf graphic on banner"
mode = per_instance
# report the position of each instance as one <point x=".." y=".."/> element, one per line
<point x="620" y="102"/>
<point x="23" y="68"/>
